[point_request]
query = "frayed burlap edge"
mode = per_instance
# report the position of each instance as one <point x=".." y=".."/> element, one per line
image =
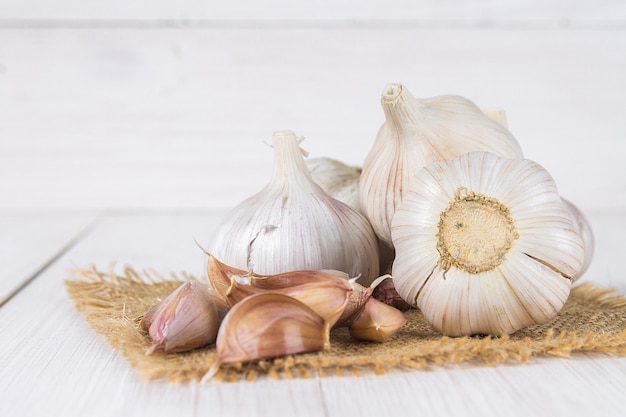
<point x="593" y="320"/>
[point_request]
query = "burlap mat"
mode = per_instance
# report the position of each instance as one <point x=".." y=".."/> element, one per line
<point x="593" y="320"/>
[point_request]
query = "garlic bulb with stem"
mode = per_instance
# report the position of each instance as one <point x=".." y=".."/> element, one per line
<point x="292" y="224"/>
<point x="416" y="133"/>
<point x="485" y="245"/>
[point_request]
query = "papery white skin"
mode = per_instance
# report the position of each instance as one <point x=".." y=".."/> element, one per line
<point x="529" y="287"/>
<point x="339" y="180"/>
<point x="586" y="232"/>
<point x="292" y="224"/>
<point x="416" y="133"/>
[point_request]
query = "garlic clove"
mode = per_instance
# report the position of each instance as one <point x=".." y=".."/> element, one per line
<point x="377" y="322"/>
<point x="292" y="224"/>
<point x="269" y="325"/>
<point x="416" y="133"/>
<point x="386" y="292"/>
<point x="338" y="180"/>
<point x="327" y="292"/>
<point x="359" y="298"/>
<point x="148" y="318"/>
<point x="327" y="299"/>
<point x="220" y="275"/>
<point x="485" y="245"/>
<point x="185" y="320"/>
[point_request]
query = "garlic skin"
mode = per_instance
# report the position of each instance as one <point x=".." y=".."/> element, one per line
<point x="184" y="320"/>
<point x="339" y="180"/>
<point x="485" y="245"/>
<point x="584" y="228"/>
<point x="292" y="224"/>
<point x="416" y="133"/>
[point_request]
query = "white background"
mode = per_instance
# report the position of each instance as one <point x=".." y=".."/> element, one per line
<point x="128" y="128"/>
<point x="136" y="105"/>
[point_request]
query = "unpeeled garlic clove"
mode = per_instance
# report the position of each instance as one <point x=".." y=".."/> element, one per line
<point x="292" y="224"/>
<point x="268" y="325"/>
<point x="326" y="291"/>
<point x="185" y="320"/>
<point x="377" y="322"/>
<point x="327" y="299"/>
<point x="386" y="292"/>
<point x="416" y="133"/>
<point x="220" y="275"/>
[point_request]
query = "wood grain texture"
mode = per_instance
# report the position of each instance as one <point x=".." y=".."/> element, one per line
<point x="177" y="118"/>
<point x="189" y="11"/>
<point x="72" y="372"/>
<point x="30" y="243"/>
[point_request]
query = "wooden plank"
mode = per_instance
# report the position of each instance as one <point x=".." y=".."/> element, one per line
<point x="577" y="386"/>
<point x="29" y="243"/>
<point x="186" y="11"/>
<point x="54" y="364"/>
<point x="169" y="119"/>
<point x="71" y="371"/>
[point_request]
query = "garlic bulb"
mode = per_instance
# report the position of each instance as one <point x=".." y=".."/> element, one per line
<point x="485" y="245"/>
<point x="339" y="180"/>
<point x="416" y="133"/>
<point x="292" y="224"/>
<point x="584" y="228"/>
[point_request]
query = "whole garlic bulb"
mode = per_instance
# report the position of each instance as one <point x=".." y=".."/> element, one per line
<point x="416" y="133"/>
<point x="339" y="180"/>
<point x="292" y="224"/>
<point x="485" y="245"/>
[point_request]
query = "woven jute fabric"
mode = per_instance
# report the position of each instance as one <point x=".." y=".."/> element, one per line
<point x="592" y="320"/>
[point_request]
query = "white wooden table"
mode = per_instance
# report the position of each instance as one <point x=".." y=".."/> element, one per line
<point x="126" y="132"/>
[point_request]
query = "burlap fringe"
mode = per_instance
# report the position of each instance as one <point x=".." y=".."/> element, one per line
<point x="593" y="320"/>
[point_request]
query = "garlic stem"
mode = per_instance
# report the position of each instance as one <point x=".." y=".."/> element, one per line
<point x="289" y="166"/>
<point x="399" y="107"/>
